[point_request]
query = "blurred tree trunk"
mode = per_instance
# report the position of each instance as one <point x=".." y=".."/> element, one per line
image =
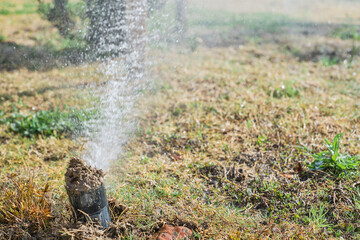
<point x="180" y="18"/>
<point x="60" y="17"/>
<point x="60" y="5"/>
<point x="119" y="27"/>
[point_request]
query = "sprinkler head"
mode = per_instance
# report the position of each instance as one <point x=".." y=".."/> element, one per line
<point x="86" y="191"/>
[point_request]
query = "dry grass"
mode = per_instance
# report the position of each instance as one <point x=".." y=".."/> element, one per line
<point x="217" y="150"/>
<point x="26" y="203"/>
<point x="221" y="146"/>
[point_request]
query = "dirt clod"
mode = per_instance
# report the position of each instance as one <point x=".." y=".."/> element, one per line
<point x="168" y="232"/>
<point x="81" y="177"/>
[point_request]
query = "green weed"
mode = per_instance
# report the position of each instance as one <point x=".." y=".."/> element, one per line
<point x="329" y="61"/>
<point x="261" y="140"/>
<point x="317" y="217"/>
<point x="2" y="38"/>
<point x="287" y="90"/>
<point x="4" y="12"/>
<point x="348" y="32"/>
<point x="46" y="123"/>
<point x="332" y="160"/>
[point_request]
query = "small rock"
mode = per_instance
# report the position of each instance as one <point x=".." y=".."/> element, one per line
<point x="168" y="232"/>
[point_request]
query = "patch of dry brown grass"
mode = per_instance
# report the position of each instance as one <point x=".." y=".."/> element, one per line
<point x="217" y="149"/>
<point x="23" y="201"/>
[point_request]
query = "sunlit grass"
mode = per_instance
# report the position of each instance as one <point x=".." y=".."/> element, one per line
<point x="221" y="146"/>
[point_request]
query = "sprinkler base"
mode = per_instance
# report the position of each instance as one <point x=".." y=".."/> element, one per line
<point x="86" y="191"/>
<point x="91" y="205"/>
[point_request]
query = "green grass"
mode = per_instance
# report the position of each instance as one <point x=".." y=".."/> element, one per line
<point x="7" y="8"/>
<point x="350" y="32"/>
<point x="4" y="12"/>
<point x="2" y="37"/>
<point x="286" y="90"/>
<point x="347" y="32"/>
<point x="317" y="217"/>
<point x="200" y="21"/>
<point x="255" y="22"/>
<point x="329" y="61"/>
<point x="7" y="5"/>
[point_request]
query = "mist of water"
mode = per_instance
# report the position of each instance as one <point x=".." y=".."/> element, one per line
<point x="125" y="77"/>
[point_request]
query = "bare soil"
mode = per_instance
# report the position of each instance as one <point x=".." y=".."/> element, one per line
<point x="80" y="177"/>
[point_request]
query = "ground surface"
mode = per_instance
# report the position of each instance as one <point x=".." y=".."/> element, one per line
<point x="226" y="130"/>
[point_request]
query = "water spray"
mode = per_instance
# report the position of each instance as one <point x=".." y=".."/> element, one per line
<point x="119" y="41"/>
<point x="124" y="80"/>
